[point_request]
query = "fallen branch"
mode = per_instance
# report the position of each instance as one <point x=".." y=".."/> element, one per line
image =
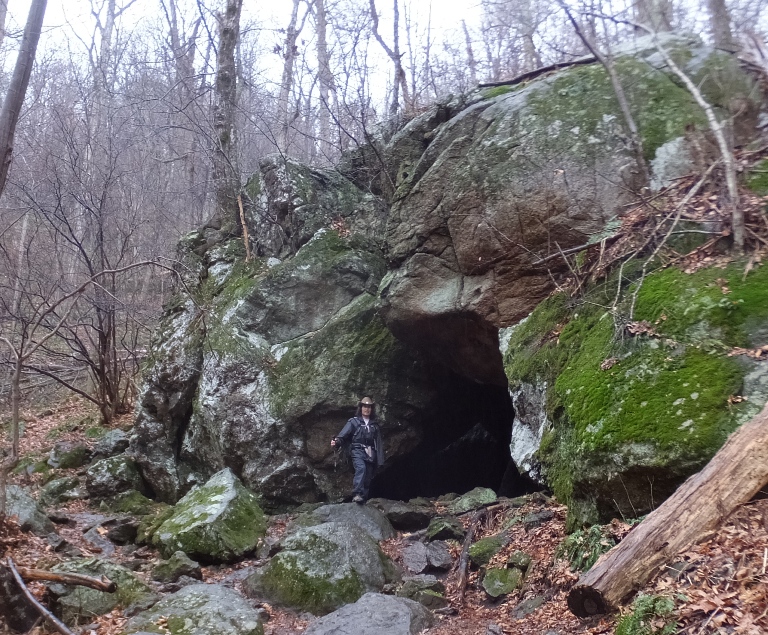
<point x="100" y="584"/>
<point x="55" y="622"/>
<point x="464" y="558"/>
<point x="734" y="475"/>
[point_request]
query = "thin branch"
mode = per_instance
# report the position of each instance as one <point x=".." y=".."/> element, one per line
<point x="58" y="625"/>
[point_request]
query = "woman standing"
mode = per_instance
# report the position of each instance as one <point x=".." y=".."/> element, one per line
<point x="363" y="434"/>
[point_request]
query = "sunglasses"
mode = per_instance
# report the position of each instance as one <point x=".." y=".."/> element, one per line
<point x="367" y="405"/>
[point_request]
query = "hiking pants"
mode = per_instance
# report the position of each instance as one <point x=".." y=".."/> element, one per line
<point x="364" y="472"/>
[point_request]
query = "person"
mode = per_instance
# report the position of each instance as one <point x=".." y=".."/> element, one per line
<point x="363" y="434"/>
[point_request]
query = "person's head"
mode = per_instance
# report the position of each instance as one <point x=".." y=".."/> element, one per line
<point x="366" y="407"/>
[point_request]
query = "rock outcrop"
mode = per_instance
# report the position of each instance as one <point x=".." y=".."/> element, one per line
<point x="393" y="274"/>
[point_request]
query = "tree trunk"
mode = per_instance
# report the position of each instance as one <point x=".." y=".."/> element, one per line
<point x="471" y="63"/>
<point x="3" y="15"/>
<point x="12" y="460"/>
<point x="400" y="80"/>
<point x="289" y="59"/>
<point x="325" y="83"/>
<point x="655" y="14"/>
<point x="733" y="476"/>
<point x="720" y="22"/>
<point x="18" y="87"/>
<point x="226" y="176"/>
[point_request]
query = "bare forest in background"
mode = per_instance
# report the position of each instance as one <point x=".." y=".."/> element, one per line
<point x="150" y="126"/>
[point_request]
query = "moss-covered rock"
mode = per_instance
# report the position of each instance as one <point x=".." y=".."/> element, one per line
<point x="199" y="609"/>
<point x="624" y="435"/>
<point x="60" y="490"/>
<point x="481" y="552"/>
<point x="66" y="455"/>
<point x="498" y="582"/>
<point x="76" y="603"/>
<point x="31" y="516"/>
<point x="472" y="500"/>
<point x="112" y="476"/>
<point x="445" y="528"/>
<point x="176" y="566"/>
<point x="130" y="502"/>
<point x="322" y="568"/>
<point x="219" y="521"/>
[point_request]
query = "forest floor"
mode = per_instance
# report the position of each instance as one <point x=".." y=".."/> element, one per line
<point x="718" y="586"/>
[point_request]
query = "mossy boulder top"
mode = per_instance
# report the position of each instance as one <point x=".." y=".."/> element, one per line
<point x="322" y="568"/>
<point x="472" y="500"/>
<point x="199" y="609"/>
<point x="216" y="522"/>
<point x="75" y="603"/>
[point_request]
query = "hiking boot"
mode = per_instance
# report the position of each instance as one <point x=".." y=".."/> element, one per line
<point x="358" y="499"/>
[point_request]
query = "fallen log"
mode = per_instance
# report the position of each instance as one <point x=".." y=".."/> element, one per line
<point x="734" y="475"/>
<point x="100" y="584"/>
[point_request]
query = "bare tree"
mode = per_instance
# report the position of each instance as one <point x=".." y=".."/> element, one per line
<point x="720" y="22"/>
<point x="290" y="52"/>
<point x="9" y="116"/>
<point x="400" y="81"/>
<point x="226" y="175"/>
<point x="654" y="14"/>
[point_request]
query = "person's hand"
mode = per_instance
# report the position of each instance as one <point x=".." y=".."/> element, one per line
<point x="333" y="442"/>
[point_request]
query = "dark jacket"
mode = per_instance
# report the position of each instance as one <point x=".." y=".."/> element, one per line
<point x="354" y="432"/>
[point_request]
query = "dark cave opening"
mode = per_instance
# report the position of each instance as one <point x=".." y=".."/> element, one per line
<point x="465" y="445"/>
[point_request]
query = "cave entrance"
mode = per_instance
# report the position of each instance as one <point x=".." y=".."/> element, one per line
<point x="466" y="445"/>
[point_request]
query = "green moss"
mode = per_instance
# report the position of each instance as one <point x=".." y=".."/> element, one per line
<point x="356" y="339"/>
<point x="130" y="502"/>
<point x="287" y="581"/>
<point x="95" y="432"/>
<point x="757" y="178"/>
<point x="651" y="615"/>
<point x="481" y="552"/>
<point x="495" y="91"/>
<point x="151" y="522"/>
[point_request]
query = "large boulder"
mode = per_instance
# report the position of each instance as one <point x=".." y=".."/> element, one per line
<point x="623" y="434"/>
<point x="322" y="568"/>
<point x="31" y="516"/>
<point x="199" y="609"/>
<point x="489" y="186"/>
<point x="73" y="603"/>
<point x="216" y="522"/>
<point x="375" y="614"/>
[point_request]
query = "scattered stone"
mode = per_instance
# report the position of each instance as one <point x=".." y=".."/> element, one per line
<point x="322" y="568"/>
<point x="481" y="552"/>
<point x="424" y="589"/>
<point x="31" y="516"/>
<point x="61" y="489"/>
<point x="415" y="557"/>
<point x="472" y="500"/>
<point x="368" y="518"/>
<point x="122" y="531"/>
<point x="185" y="580"/>
<point x="113" y="442"/>
<point x="519" y="560"/>
<point x="526" y="607"/>
<point x="216" y="522"/>
<point x="95" y="537"/>
<point x="404" y="516"/>
<point x="111" y="476"/>
<point x="61" y="518"/>
<point x="130" y="502"/>
<point x="175" y="567"/>
<point x="67" y="455"/>
<point x="199" y="609"/>
<point x="494" y="629"/>
<point x="498" y="582"/>
<point x="75" y="602"/>
<point x="445" y="528"/>
<point x="375" y="614"/>
<point x="536" y="519"/>
<point x="439" y="556"/>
